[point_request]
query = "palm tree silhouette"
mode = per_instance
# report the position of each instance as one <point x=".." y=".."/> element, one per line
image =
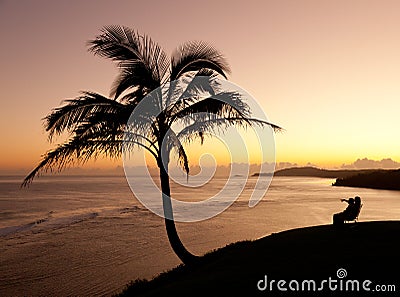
<point x="98" y="125"/>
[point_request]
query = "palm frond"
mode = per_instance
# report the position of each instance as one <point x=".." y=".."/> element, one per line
<point x="131" y="78"/>
<point x="90" y="141"/>
<point x="133" y="97"/>
<point x="144" y="116"/>
<point x="78" y="110"/>
<point x="76" y="151"/>
<point x="117" y="43"/>
<point x="224" y="104"/>
<point x="175" y="144"/>
<point x="132" y="139"/>
<point x="191" y="89"/>
<point x="194" y="56"/>
<point x="134" y="53"/>
<point x="183" y="159"/>
<point x="200" y="129"/>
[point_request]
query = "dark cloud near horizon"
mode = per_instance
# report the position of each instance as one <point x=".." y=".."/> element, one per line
<point x="372" y="164"/>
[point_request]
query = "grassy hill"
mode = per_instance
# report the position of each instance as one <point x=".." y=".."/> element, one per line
<point x="367" y="251"/>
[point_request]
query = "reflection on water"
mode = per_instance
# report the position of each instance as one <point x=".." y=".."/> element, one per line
<point x="89" y="236"/>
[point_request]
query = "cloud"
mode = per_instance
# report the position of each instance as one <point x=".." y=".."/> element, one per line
<point x="372" y="164"/>
<point x="283" y="165"/>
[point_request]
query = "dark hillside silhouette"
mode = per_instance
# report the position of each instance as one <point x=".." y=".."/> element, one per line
<point x="384" y="180"/>
<point x="317" y="172"/>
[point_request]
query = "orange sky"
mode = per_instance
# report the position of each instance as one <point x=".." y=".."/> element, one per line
<point x="327" y="71"/>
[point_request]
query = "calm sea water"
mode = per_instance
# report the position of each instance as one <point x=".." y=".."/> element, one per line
<point x="79" y="235"/>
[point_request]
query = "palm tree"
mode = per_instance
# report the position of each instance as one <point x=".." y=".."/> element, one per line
<point x="98" y="125"/>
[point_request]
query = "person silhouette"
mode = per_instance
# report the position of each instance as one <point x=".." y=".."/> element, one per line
<point x="350" y="207"/>
<point x="339" y="218"/>
<point x="357" y="201"/>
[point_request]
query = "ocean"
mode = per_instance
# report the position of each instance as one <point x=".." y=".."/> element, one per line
<point x="89" y="236"/>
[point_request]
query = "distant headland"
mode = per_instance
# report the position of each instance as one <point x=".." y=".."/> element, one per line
<point x="317" y="172"/>
<point x="365" y="178"/>
<point x="382" y="179"/>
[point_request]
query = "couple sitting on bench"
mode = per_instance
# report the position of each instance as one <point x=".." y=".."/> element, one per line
<point x="350" y="213"/>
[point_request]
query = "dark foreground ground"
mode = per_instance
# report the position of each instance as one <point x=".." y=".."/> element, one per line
<point x="357" y="253"/>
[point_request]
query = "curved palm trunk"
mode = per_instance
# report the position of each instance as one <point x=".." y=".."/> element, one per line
<point x="176" y="243"/>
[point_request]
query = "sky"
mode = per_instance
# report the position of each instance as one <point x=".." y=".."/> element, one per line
<point x="326" y="71"/>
